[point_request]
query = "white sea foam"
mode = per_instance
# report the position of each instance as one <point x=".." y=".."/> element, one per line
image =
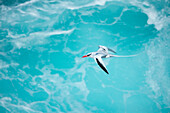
<point x="3" y="64"/>
<point x="4" y="9"/>
<point x="55" y="32"/>
<point x="5" y="102"/>
<point x="104" y="22"/>
<point x="156" y="76"/>
<point x="6" y="99"/>
<point x="59" y="83"/>
<point x="35" y="38"/>
<point x="154" y="17"/>
<point x="26" y="3"/>
<point x="72" y="6"/>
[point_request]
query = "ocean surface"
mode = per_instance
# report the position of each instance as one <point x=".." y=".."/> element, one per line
<point x="42" y="42"/>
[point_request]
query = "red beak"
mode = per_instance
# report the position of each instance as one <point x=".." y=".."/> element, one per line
<point x="84" y="56"/>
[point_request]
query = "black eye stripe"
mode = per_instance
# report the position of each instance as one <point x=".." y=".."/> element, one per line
<point x="88" y="54"/>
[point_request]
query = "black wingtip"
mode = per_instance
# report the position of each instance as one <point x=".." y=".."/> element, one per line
<point x="107" y="72"/>
<point x="111" y="50"/>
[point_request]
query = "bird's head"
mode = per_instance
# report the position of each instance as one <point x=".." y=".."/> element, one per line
<point x="88" y="55"/>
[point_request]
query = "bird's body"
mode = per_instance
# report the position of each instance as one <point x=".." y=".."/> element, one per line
<point x="102" y="52"/>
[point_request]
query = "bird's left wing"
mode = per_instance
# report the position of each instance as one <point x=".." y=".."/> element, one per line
<point x="99" y="61"/>
<point x="105" y="49"/>
<point x="102" y="49"/>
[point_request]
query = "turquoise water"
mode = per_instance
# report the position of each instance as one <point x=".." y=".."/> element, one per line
<point x="42" y="42"/>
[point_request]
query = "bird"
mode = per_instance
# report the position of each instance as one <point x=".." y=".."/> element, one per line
<point x="102" y="52"/>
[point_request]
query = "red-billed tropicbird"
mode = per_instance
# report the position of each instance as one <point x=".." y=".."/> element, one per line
<point x="102" y="52"/>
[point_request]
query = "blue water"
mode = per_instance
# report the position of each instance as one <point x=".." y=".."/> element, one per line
<point x="42" y="42"/>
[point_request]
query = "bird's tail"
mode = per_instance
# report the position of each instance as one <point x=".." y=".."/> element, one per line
<point x="121" y="56"/>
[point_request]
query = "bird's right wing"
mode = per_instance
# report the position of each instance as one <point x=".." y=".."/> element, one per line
<point x="99" y="61"/>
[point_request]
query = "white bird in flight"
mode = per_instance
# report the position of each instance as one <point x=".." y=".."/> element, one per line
<point x="102" y="52"/>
